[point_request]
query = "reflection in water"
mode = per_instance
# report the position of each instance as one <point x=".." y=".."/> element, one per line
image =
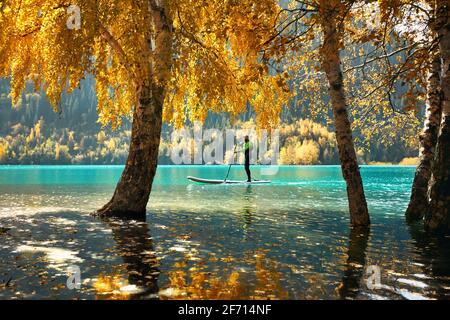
<point x="354" y="269"/>
<point x="135" y="246"/>
<point x="248" y="208"/>
<point x="434" y="258"/>
<point x="264" y="282"/>
<point x="289" y="239"/>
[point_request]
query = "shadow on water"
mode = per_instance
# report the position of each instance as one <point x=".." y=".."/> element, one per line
<point x="116" y="258"/>
<point x="434" y="259"/>
<point x="355" y="264"/>
<point x="135" y="246"/>
<point x="202" y="255"/>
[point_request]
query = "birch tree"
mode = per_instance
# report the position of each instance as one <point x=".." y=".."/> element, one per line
<point x="149" y="58"/>
<point x="438" y="217"/>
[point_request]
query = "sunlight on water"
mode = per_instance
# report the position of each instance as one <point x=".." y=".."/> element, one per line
<point x="55" y="256"/>
<point x="285" y="240"/>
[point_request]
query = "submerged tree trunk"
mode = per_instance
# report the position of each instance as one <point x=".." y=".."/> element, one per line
<point x="419" y="202"/>
<point x="331" y="63"/>
<point x="133" y="190"/>
<point x="438" y="218"/>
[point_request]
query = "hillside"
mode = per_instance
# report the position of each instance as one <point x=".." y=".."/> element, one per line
<point x="34" y="134"/>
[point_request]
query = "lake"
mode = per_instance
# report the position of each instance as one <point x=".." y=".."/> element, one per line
<point x="286" y="240"/>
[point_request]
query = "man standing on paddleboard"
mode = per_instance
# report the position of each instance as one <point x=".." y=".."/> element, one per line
<point x="247" y="147"/>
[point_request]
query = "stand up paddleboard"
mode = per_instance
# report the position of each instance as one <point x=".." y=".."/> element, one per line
<point x="211" y="181"/>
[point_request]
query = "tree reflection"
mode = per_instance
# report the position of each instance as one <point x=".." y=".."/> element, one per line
<point x="434" y="257"/>
<point x="248" y="209"/>
<point x="135" y="246"/>
<point x="354" y="271"/>
<point x="229" y="283"/>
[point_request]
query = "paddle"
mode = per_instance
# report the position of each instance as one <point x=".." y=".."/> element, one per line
<point x="228" y="173"/>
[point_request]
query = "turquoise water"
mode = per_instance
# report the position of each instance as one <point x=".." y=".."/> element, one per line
<point x="288" y="240"/>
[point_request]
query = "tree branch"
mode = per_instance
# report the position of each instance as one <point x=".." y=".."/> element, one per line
<point x="114" y="44"/>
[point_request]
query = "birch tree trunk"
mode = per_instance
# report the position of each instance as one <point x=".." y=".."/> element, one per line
<point x="133" y="190"/>
<point x="331" y="63"/>
<point x="419" y="202"/>
<point x="438" y="218"/>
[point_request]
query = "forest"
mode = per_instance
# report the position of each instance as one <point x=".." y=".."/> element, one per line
<point x="34" y="134"/>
